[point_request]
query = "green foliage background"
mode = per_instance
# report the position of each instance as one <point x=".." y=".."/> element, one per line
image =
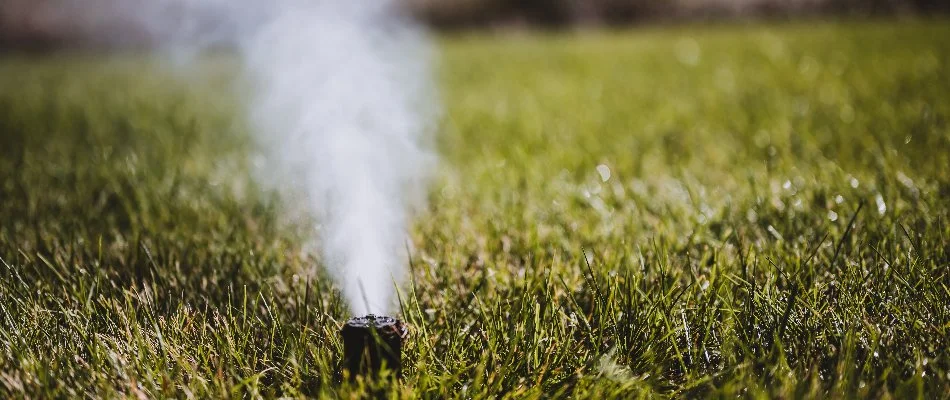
<point x="742" y="210"/>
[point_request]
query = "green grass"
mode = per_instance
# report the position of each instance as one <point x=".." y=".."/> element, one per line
<point x="775" y="223"/>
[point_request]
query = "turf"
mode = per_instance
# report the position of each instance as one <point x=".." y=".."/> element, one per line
<point x="753" y="211"/>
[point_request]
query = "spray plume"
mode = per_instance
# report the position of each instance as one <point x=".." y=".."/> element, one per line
<point x="343" y="100"/>
<point x="340" y="105"/>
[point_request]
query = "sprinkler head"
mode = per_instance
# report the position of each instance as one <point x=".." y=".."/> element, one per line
<point x="370" y="342"/>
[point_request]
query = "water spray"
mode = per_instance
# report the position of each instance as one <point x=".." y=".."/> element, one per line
<point x="340" y="105"/>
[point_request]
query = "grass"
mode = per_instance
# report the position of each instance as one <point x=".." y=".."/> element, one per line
<point x="754" y="211"/>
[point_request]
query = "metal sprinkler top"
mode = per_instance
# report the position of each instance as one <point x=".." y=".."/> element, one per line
<point x="380" y="322"/>
<point x="371" y="341"/>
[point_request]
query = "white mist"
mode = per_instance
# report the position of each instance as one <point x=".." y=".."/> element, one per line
<point x="341" y="105"/>
<point x="341" y="102"/>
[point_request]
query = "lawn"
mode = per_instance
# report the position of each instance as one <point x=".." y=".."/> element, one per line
<point x="751" y="210"/>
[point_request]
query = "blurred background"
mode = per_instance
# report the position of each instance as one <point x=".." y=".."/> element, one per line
<point x="41" y="25"/>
